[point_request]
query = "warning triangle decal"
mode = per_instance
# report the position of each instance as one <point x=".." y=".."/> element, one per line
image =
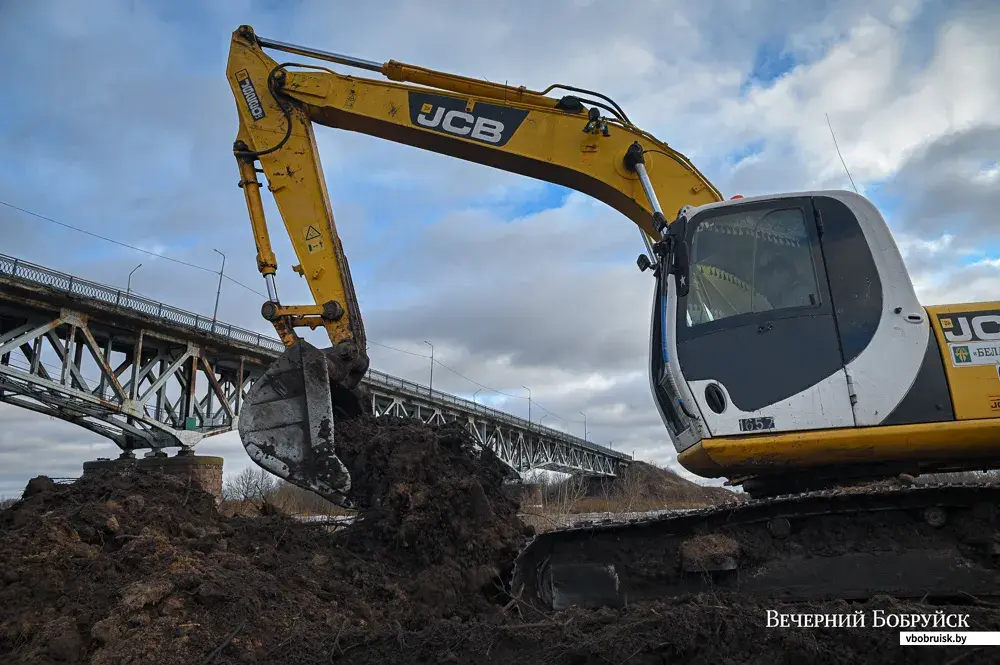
<point x="312" y="233"/>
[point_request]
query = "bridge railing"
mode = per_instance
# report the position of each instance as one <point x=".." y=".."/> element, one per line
<point x="31" y="272"/>
<point x="37" y="274"/>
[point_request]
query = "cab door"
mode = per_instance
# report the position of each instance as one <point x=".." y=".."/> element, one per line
<point x="757" y="335"/>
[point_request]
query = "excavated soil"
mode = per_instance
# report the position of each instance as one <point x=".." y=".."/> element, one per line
<point x="142" y="568"/>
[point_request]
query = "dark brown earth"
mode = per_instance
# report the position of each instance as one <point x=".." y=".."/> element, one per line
<point x="143" y="569"/>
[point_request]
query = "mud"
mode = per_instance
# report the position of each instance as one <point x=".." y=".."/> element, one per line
<point x="696" y="629"/>
<point x="144" y="569"/>
<point x="116" y="569"/>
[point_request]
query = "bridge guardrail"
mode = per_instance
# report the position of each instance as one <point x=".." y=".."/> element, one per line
<point x="31" y="272"/>
<point x="37" y="274"/>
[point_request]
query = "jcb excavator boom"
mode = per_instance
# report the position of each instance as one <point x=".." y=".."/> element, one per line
<point x="287" y="423"/>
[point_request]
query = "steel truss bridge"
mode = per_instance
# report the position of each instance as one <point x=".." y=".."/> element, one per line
<point x="150" y="376"/>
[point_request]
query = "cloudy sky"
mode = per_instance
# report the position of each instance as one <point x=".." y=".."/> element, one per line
<point x="117" y="118"/>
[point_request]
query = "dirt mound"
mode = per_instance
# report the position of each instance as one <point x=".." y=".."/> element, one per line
<point x="144" y="569"/>
<point x="433" y="496"/>
<point x="141" y="568"/>
<point x="651" y="485"/>
<point x="438" y="510"/>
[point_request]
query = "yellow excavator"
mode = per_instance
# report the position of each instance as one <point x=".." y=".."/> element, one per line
<point x="788" y="350"/>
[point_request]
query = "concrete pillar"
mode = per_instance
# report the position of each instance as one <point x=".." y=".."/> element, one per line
<point x="202" y="471"/>
<point x="531" y="496"/>
<point x="597" y="486"/>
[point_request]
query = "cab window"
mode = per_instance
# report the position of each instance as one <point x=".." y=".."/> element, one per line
<point x="750" y="262"/>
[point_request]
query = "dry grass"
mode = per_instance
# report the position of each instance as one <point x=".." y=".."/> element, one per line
<point x="641" y="489"/>
<point x="247" y="493"/>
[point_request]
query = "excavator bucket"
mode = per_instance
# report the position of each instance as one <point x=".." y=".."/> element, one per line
<point x="286" y="423"/>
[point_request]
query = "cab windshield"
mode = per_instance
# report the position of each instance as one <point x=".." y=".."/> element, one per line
<point x="748" y="262"/>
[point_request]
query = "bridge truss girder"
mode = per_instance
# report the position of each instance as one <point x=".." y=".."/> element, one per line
<point x="519" y="447"/>
<point x="174" y="396"/>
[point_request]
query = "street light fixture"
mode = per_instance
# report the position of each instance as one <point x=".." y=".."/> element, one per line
<point x="431" y="385"/>
<point x="584" y="425"/>
<point x="219" y="291"/>
<point x="476" y="393"/>
<point x="128" y="289"/>
<point x="529" y="403"/>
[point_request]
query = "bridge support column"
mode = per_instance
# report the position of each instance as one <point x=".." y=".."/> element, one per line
<point x="200" y="470"/>
<point x="597" y="485"/>
<point x="531" y="495"/>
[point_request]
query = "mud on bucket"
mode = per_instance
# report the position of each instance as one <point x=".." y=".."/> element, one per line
<point x="286" y="423"/>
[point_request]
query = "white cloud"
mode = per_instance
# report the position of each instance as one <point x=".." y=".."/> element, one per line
<point x="882" y="106"/>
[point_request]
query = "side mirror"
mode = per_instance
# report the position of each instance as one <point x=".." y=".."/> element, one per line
<point x="681" y="267"/>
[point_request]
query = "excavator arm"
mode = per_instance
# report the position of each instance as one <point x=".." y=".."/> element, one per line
<point x="582" y="140"/>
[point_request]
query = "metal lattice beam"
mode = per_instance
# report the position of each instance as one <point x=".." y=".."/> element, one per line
<point x="173" y="397"/>
<point x="522" y="446"/>
<point x="148" y="375"/>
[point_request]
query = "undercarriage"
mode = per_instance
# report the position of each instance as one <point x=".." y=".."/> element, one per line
<point x="925" y="541"/>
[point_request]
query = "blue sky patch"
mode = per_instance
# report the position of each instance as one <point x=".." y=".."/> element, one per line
<point x="547" y="197"/>
<point x="748" y="150"/>
<point x="771" y="62"/>
<point x="887" y="204"/>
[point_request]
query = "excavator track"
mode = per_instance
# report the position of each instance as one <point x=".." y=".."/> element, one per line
<point x="909" y="541"/>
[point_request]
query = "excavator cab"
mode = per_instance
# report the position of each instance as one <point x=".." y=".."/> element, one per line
<point x="779" y="315"/>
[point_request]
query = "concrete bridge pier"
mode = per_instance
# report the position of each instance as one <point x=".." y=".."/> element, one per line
<point x="597" y="486"/>
<point x="201" y="471"/>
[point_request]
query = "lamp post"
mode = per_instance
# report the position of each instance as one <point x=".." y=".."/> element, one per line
<point x="218" y="292"/>
<point x="128" y="289"/>
<point x="431" y="386"/>
<point x="584" y="425"/>
<point x="476" y="393"/>
<point x="529" y="403"/>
